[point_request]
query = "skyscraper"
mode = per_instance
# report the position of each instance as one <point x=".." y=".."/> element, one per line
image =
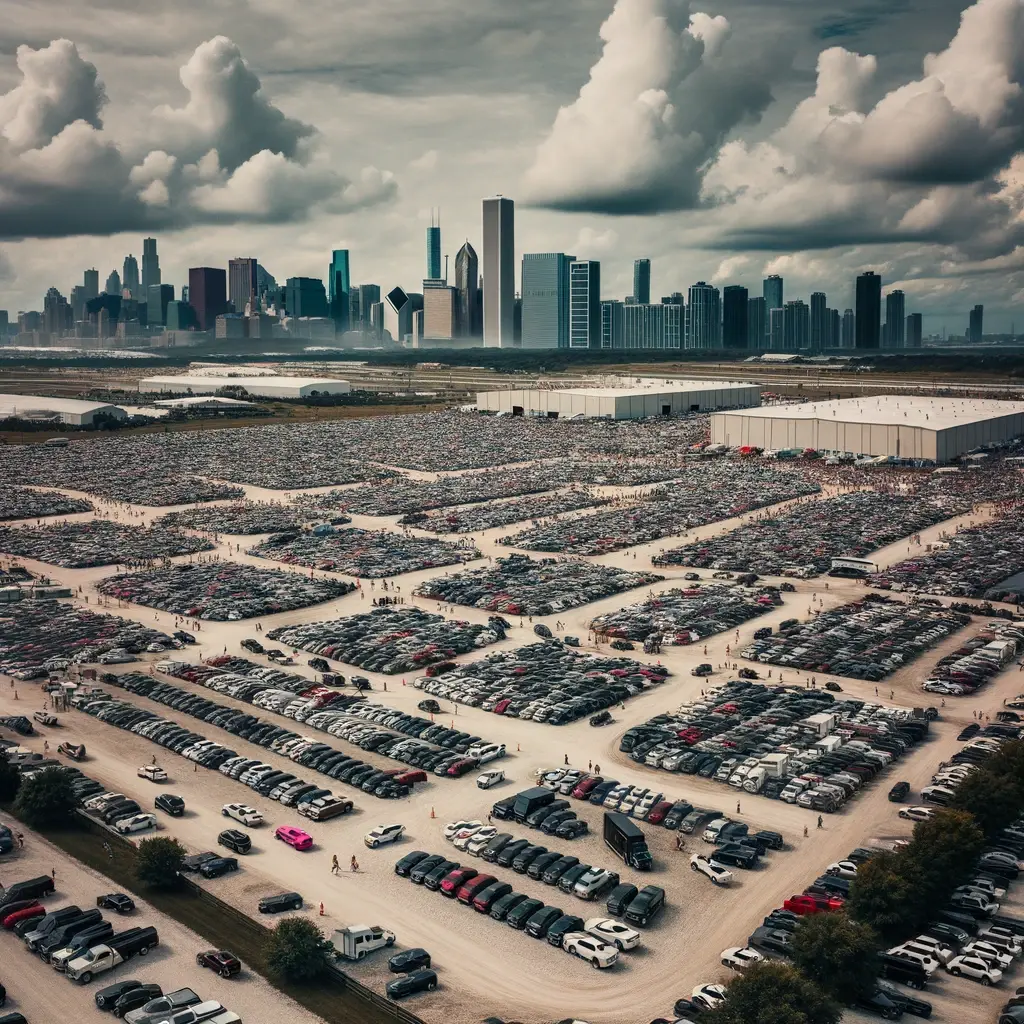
<point x="545" y="294"/>
<point x="242" y="283"/>
<point x="369" y="296"/>
<point x="642" y="281"/>
<point x="207" y="295"/>
<point x="895" y="319"/>
<point x="772" y="291"/>
<point x="833" y="328"/>
<point x="467" y="284"/>
<point x="612" y="323"/>
<point x="735" y="303"/>
<point x="150" y="265"/>
<point x="914" y="330"/>
<point x="757" y="323"/>
<point x="796" y="325"/>
<point x="56" y="313"/>
<point x="819" y="303"/>
<point x="92" y="284"/>
<point x="156" y="303"/>
<point x="975" y="331"/>
<point x="305" y="296"/>
<point x="499" y="287"/>
<point x="705" y="317"/>
<point x="130" y="276"/>
<point x="848" y="333"/>
<point x="113" y="285"/>
<point x="585" y="304"/>
<point x="776" y="332"/>
<point x="339" y="287"/>
<point x="440" y="305"/>
<point x="869" y="310"/>
<point x="434" y="249"/>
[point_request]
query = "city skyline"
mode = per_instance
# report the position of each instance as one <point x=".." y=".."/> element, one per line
<point x="520" y="85"/>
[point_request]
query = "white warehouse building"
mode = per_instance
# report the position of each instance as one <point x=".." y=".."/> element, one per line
<point x="900" y="426"/>
<point x="641" y="399"/>
<point x="72" y="411"/>
<point x="260" y="387"/>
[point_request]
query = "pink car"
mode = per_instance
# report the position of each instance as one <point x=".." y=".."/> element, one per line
<point x="294" y="837"/>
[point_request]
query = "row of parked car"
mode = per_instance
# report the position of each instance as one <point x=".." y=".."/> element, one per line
<point x="140" y="1002"/>
<point x="977" y="660"/>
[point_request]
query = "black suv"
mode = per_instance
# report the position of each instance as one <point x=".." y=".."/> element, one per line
<point x="235" y="839"/>
<point x="647" y="903"/>
<point x="170" y="804"/>
<point x="217" y="867"/>
<point x="282" y="901"/>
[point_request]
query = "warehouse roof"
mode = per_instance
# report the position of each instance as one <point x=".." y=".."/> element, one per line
<point x="638" y="387"/>
<point x="10" y="404"/>
<point x="898" y="410"/>
<point x="204" y="401"/>
<point x="184" y="381"/>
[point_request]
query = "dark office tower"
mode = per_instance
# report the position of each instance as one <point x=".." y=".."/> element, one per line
<point x="113" y="285"/>
<point x="368" y="297"/>
<point x="56" y="313"/>
<point x="130" y="275"/>
<point x="819" y="303"/>
<point x="914" y="330"/>
<point x="150" y="265"/>
<point x="796" y="325"/>
<point x="704" y="317"/>
<point x="848" y="336"/>
<point x="305" y="296"/>
<point x="772" y="291"/>
<point x="5" y="323"/>
<point x="833" y="328"/>
<point x="207" y="295"/>
<point x="869" y="310"/>
<point x="467" y="285"/>
<point x="734" y="317"/>
<point x="92" y="284"/>
<point x="434" y="249"/>
<point x="339" y="287"/>
<point x="977" y="323"/>
<point x="642" y="281"/>
<point x="757" y="323"/>
<point x="585" y="304"/>
<point x="156" y="306"/>
<point x="242" y="289"/>
<point x="895" y="319"/>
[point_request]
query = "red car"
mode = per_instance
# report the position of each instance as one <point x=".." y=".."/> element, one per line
<point x="468" y="892"/>
<point x="410" y="777"/>
<point x="460" y="768"/>
<point x="294" y="837"/>
<point x="585" y="786"/>
<point x="36" y="910"/>
<point x="220" y="960"/>
<point x="454" y="880"/>
<point x="807" y="903"/>
<point x="658" y="812"/>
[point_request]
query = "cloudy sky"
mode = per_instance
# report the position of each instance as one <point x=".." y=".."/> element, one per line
<point x="725" y="139"/>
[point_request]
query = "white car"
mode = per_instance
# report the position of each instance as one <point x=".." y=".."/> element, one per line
<point x="95" y="803"/>
<point x="842" y="869"/>
<point x="136" y="823"/>
<point x="916" y="813"/>
<point x="739" y="958"/>
<point x="487" y="752"/>
<point x="590" y="948"/>
<point x="490" y="778"/>
<point x="477" y="843"/>
<point x="717" y="874"/>
<point x="454" y="827"/>
<point x="382" y="834"/>
<point x="708" y="996"/>
<point x="242" y="812"/>
<point x="974" y="967"/>
<point x="466" y="836"/>
<point x="986" y="951"/>
<point x="921" y="955"/>
<point x="613" y="932"/>
<point x="153" y="772"/>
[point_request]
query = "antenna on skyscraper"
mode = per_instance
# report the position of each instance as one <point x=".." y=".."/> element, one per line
<point x="446" y="266"/>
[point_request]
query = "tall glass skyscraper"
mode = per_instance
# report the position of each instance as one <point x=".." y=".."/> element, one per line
<point x="869" y="310"/>
<point x="467" y="284"/>
<point x="242" y="284"/>
<point x="130" y="275"/>
<point x="705" y="313"/>
<point x="150" y="265"/>
<point x="545" y="292"/>
<point x="734" y="316"/>
<point x="499" y="272"/>
<point x="585" y="304"/>
<point x="895" y="319"/>
<point x="434" y="251"/>
<point x="772" y="292"/>
<point x="339" y="284"/>
<point x="642" y="281"/>
<point x="819" y="326"/>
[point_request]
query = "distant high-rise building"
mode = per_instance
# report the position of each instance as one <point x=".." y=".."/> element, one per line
<point x="833" y="328"/>
<point x="434" y="250"/>
<point x="130" y="276"/>
<point x="242" y="283"/>
<point x="757" y="323"/>
<point x="5" y="323"/>
<point x="585" y="304"/>
<point x="113" y="285"/>
<point x="642" y="281"/>
<point x="869" y="310"/>
<point x="975" y="331"/>
<point x="704" y="312"/>
<point x="207" y="295"/>
<point x="56" y="313"/>
<point x="796" y="325"/>
<point x="440" y="310"/>
<point x="499" y="286"/>
<point x="181" y="316"/>
<point x="772" y="291"/>
<point x="643" y="327"/>
<point x="776" y="333"/>
<point x="735" y="317"/>
<point x="77" y="303"/>
<point x="914" y="332"/>
<point x="339" y="288"/>
<point x="305" y="296"/>
<point x="368" y="297"/>
<point x="156" y="303"/>
<point x="819" y="303"/>
<point x="848" y="330"/>
<point x="400" y="309"/>
<point x="376" y="320"/>
<point x="545" y="295"/>
<point x="92" y="284"/>
<point x="895" y="319"/>
<point x="150" y="265"/>
<point x="611" y="323"/>
<point x="467" y="284"/>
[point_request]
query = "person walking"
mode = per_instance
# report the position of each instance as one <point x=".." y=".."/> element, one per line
<point x="821" y="821"/>
<point x="354" y="864"/>
<point x="335" y="866"/>
<point x="738" y="807"/>
<point x="567" y="759"/>
<point x="805" y="832"/>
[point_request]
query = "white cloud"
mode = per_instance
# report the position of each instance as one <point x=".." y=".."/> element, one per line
<point x="426" y="162"/>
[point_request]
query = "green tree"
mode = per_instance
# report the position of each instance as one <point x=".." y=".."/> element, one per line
<point x="837" y="954"/>
<point x="46" y="800"/>
<point x="941" y="854"/>
<point x="296" y="950"/>
<point x="994" y="799"/>
<point x="773" y="993"/>
<point x="884" y="899"/>
<point x="158" y="864"/>
<point x="9" y="779"/>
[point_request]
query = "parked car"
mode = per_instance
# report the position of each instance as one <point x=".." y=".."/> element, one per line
<point x="294" y="837"/>
<point x="590" y="948"/>
<point x="170" y="804"/>
<point x="235" y="839"/>
<point x="383" y="834"/>
<point x="409" y="960"/>
<point x="282" y="901"/>
<point x="423" y="980"/>
<point x="119" y="902"/>
<point x="221" y="961"/>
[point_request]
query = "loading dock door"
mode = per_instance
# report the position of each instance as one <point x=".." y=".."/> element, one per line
<point x="666" y="410"/>
<point x="517" y="410"/>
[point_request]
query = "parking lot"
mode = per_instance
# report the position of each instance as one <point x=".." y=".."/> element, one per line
<point x="28" y="503"/>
